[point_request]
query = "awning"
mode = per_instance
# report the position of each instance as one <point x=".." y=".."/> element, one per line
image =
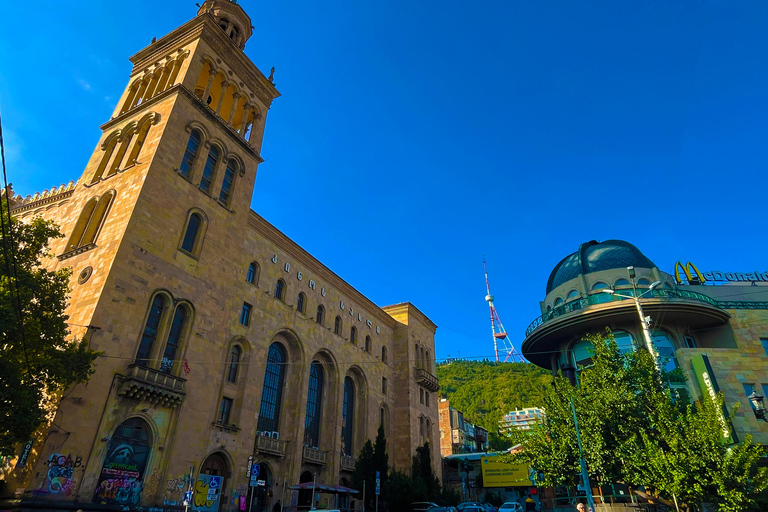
<point x="323" y="489"/>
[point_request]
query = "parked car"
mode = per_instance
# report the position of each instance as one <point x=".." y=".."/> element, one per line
<point x="511" y="506"/>
<point x="422" y="506"/>
<point x="462" y="506"/>
<point x="473" y="507"/>
<point x="442" y="509"/>
<point x="490" y="508"/>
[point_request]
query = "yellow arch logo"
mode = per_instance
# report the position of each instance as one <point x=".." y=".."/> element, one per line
<point x="689" y="269"/>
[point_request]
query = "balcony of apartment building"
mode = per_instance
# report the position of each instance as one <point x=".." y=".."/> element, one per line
<point x="426" y="379"/>
<point x="347" y="462"/>
<point x="593" y="312"/>
<point x="314" y="456"/>
<point x="152" y="386"/>
<point x="270" y="444"/>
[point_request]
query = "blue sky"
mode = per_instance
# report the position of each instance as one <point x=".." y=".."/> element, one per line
<point x="411" y="138"/>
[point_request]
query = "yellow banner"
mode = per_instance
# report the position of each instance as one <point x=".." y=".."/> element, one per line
<point x="501" y="474"/>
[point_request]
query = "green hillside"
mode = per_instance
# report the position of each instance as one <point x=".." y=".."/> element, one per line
<point x="484" y="391"/>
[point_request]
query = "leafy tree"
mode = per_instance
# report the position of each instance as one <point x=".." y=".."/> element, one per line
<point x="632" y="431"/>
<point x="372" y="458"/>
<point x="425" y="481"/>
<point x="38" y="360"/>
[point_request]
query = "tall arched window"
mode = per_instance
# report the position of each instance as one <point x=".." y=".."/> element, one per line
<point x="234" y="363"/>
<point x="353" y="335"/>
<point x="210" y="169"/>
<point x="141" y="136"/>
<point x="417" y="358"/>
<point x="383" y="354"/>
<point x="301" y="303"/>
<point x="150" y="331"/>
<point x="314" y="405"/>
<point x="337" y="325"/>
<point x="320" y="314"/>
<point x="272" y="394"/>
<point x="109" y="147"/>
<point x="130" y="444"/>
<point x="573" y="294"/>
<point x="582" y="353"/>
<point x="253" y="273"/>
<point x="665" y="351"/>
<point x="347" y="417"/>
<point x="368" y="344"/>
<point x="90" y="221"/>
<point x="174" y="339"/>
<point x="190" y="153"/>
<point x="280" y="289"/>
<point x="190" y="241"/>
<point x="226" y="183"/>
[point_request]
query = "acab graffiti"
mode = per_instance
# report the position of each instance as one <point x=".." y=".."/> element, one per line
<point x="60" y="478"/>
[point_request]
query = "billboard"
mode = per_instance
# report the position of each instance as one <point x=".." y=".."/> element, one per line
<point x="497" y="473"/>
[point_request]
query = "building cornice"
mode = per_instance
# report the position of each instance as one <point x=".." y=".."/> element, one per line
<point x="411" y="310"/>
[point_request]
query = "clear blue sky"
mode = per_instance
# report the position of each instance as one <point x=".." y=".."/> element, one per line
<point x="414" y="137"/>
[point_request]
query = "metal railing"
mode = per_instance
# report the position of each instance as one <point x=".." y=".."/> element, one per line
<point x="604" y="298"/>
<point x="426" y="379"/>
<point x="347" y="462"/>
<point x="315" y="455"/>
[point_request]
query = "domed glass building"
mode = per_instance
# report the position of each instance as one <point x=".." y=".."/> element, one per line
<point x="690" y="321"/>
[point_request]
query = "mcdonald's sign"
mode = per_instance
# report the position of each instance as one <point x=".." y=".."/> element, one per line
<point x="693" y="276"/>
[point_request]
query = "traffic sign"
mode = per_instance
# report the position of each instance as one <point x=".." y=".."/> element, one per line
<point x="255" y="470"/>
<point x="378" y="483"/>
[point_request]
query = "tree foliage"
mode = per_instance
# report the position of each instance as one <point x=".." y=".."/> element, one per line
<point x="38" y="360"/>
<point x="484" y="391"/>
<point x="634" y="432"/>
<point x="372" y="458"/>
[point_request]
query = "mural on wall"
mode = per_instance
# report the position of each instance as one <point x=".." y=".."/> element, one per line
<point x="121" y="478"/>
<point x="59" y="478"/>
<point x="207" y="490"/>
<point x="174" y="490"/>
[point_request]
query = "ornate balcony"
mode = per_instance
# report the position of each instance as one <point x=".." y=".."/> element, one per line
<point x="152" y="386"/>
<point x="270" y="445"/>
<point x="315" y="456"/>
<point x="426" y="379"/>
<point x="347" y="463"/>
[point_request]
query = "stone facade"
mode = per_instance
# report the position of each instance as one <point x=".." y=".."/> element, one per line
<point x="186" y="292"/>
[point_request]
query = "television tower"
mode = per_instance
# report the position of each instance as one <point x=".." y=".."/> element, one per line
<point x="497" y="328"/>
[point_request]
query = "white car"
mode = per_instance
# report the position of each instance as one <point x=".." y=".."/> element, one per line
<point x="511" y="506"/>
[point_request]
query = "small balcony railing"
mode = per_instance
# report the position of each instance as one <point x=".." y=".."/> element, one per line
<point x="270" y="445"/>
<point x="426" y="379"/>
<point x="347" y="463"/>
<point x="153" y="386"/>
<point x="604" y="298"/>
<point x="315" y="456"/>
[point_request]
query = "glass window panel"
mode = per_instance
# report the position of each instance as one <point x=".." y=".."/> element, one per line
<point x="573" y="294"/>
<point x="665" y="351"/>
<point x="582" y="354"/>
<point x="150" y="331"/>
<point x="174" y="336"/>
<point x="224" y="410"/>
<point x="226" y="184"/>
<point x="272" y="394"/>
<point x="234" y="364"/>
<point x="748" y="390"/>
<point x="314" y="404"/>
<point x="210" y="168"/>
<point x="300" y="303"/>
<point x="347" y="417"/>
<point x="189" y="154"/>
<point x="622" y="282"/>
<point x="625" y="341"/>
<point x="599" y="285"/>
<point x="190" y="237"/>
<point x="251" y="276"/>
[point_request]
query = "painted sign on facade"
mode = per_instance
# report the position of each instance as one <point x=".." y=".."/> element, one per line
<point x="121" y="478"/>
<point x="708" y="386"/>
<point x="501" y="474"/>
<point x="207" y="493"/>
<point x="60" y="478"/>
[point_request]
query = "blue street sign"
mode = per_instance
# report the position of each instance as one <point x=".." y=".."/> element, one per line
<point x="255" y="469"/>
<point x="378" y="483"/>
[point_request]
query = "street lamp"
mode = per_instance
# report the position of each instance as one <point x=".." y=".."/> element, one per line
<point x="757" y="403"/>
<point x="645" y="321"/>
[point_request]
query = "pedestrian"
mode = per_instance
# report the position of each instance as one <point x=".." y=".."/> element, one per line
<point x="530" y="505"/>
<point x="580" y="507"/>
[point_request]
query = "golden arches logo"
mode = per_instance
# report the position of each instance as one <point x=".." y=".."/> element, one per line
<point x="689" y="269"/>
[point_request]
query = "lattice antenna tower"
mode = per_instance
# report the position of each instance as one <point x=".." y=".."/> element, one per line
<point x="497" y="328"/>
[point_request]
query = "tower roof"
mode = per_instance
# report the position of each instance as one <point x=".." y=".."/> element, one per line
<point x="594" y="256"/>
<point x="232" y="19"/>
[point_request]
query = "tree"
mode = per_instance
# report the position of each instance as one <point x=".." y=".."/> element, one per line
<point x="425" y="482"/>
<point x="39" y="361"/>
<point x="633" y="431"/>
<point x="372" y="458"/>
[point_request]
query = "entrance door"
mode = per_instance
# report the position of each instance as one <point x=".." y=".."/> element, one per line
<point x="210" y="488"/>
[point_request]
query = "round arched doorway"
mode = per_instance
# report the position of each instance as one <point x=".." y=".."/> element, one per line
<point x="211" y="485"/>
<point x="263" y="493"/>
<point x="122" y="473"/>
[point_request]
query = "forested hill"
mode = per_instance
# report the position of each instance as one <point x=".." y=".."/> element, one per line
<point x="484" y="391"/>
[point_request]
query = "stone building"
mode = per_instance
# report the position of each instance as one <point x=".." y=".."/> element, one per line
<point x="223" y="342"/>
<point x="709" y="337"/>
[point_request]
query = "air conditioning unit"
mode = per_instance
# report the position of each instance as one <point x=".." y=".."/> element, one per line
<point x="276" y="435"/>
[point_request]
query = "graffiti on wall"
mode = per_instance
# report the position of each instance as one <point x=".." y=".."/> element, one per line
<point x="60" y="477"/>
<point x="174" y="490"/>
<point x="121" y="478"/>
<point x="207" y="490"/>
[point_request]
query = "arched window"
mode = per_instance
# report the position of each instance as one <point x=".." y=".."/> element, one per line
<point x="280" y="289"/>
<point x="125" y="140"/>
<point x="417" y="359"/>
<point x="622" y="282"/>
<point x="558" y="301"/>
<point x="427" y="361"/>
<point x="625" y="341"/>
<point x="190" y="153"/>
<point x="320" y="313"/>
<point x="582" y="353"/>
<point x="253" y="273"/>
<point x="133" y="157"/>
<point x="193" y="234"/>
<point x="272" y="394"/>
<point x="150" y="331"/>
<point x="383" y="354"/>
<point x="599" y="285"/>
<point x="234" y="363"/>
<point x="174" y="339"/>
<point x="643" y="282"/>
<point x="226" y="184"/>
<point x="210" y="169"/>
<point x="129" y="444"/>
<point x="90" y="222"/>
<point x="109" y="147"/>
<point x="665" y="351"/>
<point x="314" y="405"/>
<point x="301" y="303"/>
<point x="337" y="325"/>
<point x="347" y="417"/>
<point x="573" y="294"/>
<point x="368" y="344"/>
<point x="353" y="335"/>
